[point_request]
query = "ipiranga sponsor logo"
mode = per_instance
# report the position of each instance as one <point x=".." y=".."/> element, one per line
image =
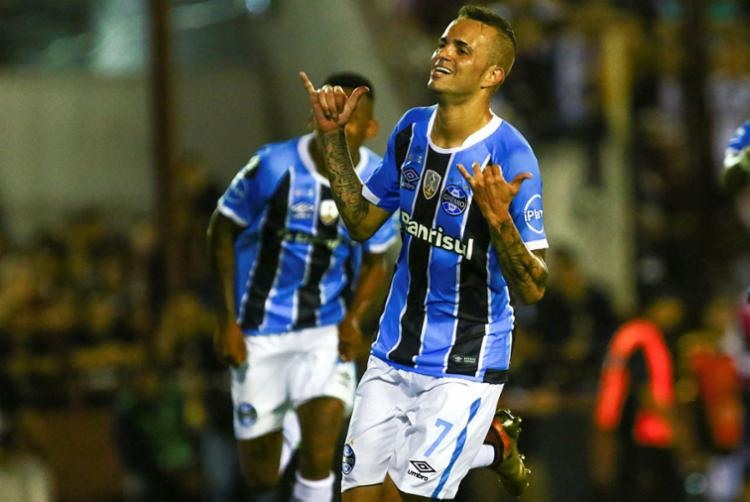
<point x="436" y="237"/>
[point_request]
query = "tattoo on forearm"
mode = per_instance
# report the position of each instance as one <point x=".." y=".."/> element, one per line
<point x="345" y="184"/>
<point x="525" y="273"/>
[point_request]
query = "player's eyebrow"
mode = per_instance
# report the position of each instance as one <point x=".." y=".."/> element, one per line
<point x="457" y="42"/>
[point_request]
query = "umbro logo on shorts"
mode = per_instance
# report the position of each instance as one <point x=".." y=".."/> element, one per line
<point x="422" y="468"/>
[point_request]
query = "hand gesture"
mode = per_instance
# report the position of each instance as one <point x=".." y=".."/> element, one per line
<point x="229" y="343"/>
<point x="330" y="105"/>
<point x="491" y="192"/>
<point x="350" y="339"/>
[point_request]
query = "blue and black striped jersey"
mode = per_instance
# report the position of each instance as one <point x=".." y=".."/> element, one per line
<point x="295" y="261"/>
<point x="448" y="311"/>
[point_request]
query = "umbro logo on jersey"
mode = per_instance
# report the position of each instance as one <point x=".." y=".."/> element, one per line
<point x="409" y="179"/>
<point x="302" y="210"/>
<point x="430" y="184"/>
<point x="436" y="237"/>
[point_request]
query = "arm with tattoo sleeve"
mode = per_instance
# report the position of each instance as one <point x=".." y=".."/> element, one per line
<point x="525" y="271"/>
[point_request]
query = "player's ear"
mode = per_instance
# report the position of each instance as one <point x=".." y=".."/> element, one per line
<point x="494" y="76"/>
<point x="372" y="129"/>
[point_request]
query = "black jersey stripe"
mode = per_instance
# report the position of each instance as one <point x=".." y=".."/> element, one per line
<point x="473" y="298"/>
<point x="308" y="295"/>
<point x="269" y="257"/>
<point x="413" y="317"/>
<point x="403" y="141"/>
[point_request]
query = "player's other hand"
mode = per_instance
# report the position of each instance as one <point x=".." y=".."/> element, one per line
<point x="491" y="191"/>
<point x="229" y="343"/>
<point x="331" y="106"/>
<point x="351" y="342"/>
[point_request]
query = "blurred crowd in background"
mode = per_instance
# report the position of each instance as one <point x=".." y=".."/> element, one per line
<point x="89" y="330"/>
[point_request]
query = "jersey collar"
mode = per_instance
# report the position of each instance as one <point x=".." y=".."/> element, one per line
<point x="477" y="136"/>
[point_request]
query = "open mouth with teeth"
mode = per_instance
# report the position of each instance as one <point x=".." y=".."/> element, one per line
<point x="441" y="69"/>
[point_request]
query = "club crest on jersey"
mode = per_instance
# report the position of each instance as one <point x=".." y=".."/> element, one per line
<point x="533" y="214"/>
<point x="328" y="211"/>
<point x="246" y="414"/>
<point x="430" y="184"/>
<point x="453" y="200"/>
<point x="349" y="459"/>
<point x="409" y="179"/>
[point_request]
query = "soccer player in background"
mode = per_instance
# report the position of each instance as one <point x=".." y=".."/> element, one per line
<point x="736" y="172"/>
<point x="467" y="188"/>
<point x="286" y="266"/>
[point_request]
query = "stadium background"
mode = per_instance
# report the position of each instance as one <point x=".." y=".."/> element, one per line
<point x="122" y="121"/>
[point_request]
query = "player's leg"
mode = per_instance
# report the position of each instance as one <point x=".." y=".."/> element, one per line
<point x="259" y="401"/>
<point x="448" y="422"/>
<point x="375" y="430"/>
<point x="259" y="460"/>
<point x="321" y="388"/>
<point x="320" y="423"/>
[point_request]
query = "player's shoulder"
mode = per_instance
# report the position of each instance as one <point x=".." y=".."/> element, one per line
<point x="272" y="159"/>
<point x="415" y="115"/>
<point x="512" y="138"/>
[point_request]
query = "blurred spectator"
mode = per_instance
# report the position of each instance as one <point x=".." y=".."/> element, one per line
<point x="634" y="437"/>
<point x="710" y="392"/>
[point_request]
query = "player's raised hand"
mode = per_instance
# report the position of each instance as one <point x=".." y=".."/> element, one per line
<point x="491" y="191"/>
<point x="330" y="105"/>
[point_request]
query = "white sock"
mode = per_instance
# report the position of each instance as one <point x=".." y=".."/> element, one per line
<point x="320" y="490"/>
<point x="485" y="457"/>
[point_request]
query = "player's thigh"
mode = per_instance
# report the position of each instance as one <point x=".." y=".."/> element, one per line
<point x="448" y="423"/>
<point x="375" y="428"/>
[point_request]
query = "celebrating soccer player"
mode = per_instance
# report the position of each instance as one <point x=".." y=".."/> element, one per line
<point x="286" y="266"/>
<point x="467" y="188"/>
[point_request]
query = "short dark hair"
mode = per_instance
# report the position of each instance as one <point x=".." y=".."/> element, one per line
<point x="350" y="80"/>
<point x="486" y="16"/>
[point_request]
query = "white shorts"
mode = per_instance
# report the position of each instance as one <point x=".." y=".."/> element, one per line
<point x="284" y="371"/>
<point x="422" y="431"/>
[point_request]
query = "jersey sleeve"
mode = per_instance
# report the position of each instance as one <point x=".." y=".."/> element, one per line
<point x="243" y="200"/>
<point x="738" y="148"/>
<point x="527" y="209"/>
<point x="381" y="187"/>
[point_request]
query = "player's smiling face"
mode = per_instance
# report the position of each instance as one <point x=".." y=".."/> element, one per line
<point x="462" y="58"/>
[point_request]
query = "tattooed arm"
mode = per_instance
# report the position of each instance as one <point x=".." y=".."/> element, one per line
<point x="362" y="218"/>
<point x="524" y="271"/>
<point x="332" y="109"/>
